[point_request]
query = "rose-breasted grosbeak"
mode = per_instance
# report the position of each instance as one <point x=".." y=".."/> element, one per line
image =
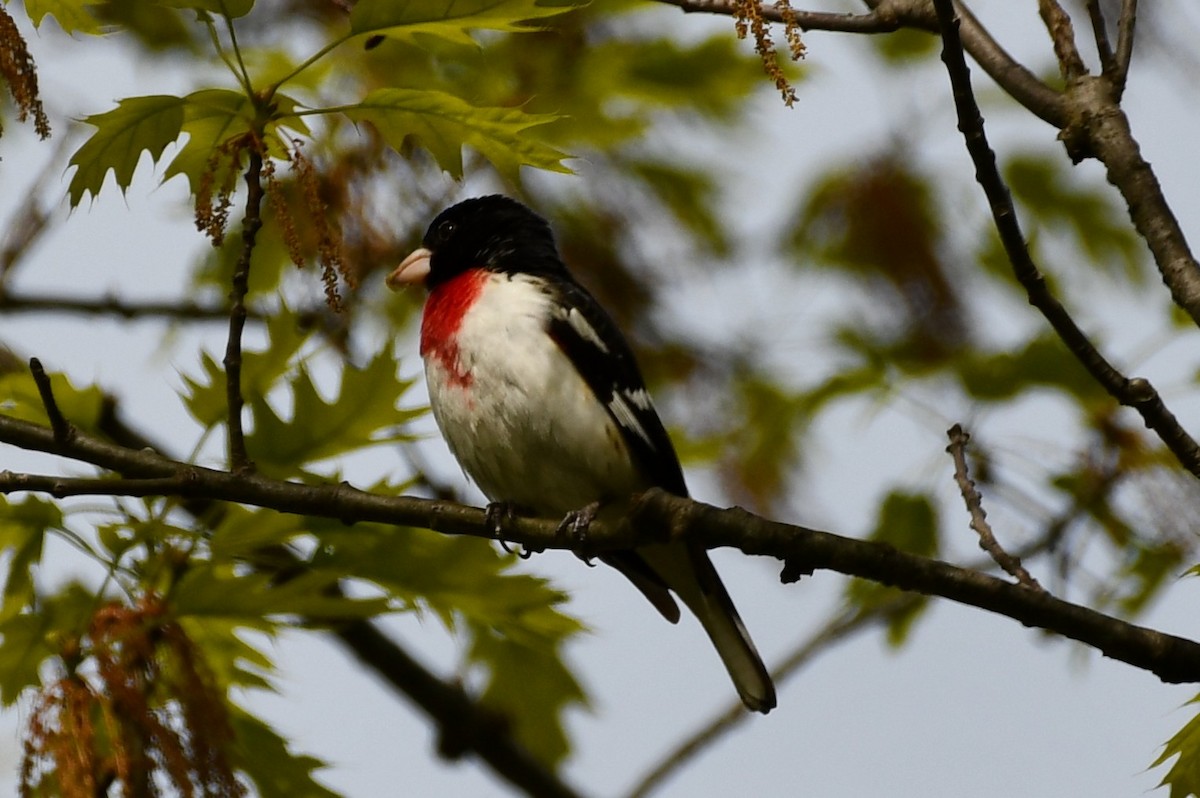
<point x="541" y="402"/>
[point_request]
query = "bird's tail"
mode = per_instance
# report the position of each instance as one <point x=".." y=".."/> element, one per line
<point x="689" y="572"/>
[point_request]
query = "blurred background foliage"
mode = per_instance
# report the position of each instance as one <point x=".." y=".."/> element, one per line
<point x="928" y="320"/>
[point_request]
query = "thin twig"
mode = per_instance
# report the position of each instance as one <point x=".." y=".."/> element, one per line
<point x="1100" y="33"/>
<point x="1125" y="29"/>
<point x="845" y="623"/>
<point x="64" y="431"/>
<point x="842" y="625"/>
<point x="987" y="539"/>
<point x="1135" y="392"/>
<point x="1062" y="34"/>
<point x="184" y="310"/>
<point x="654" y="516"/>
<point x="239" y="462"/>
<point x="446" y="703"/>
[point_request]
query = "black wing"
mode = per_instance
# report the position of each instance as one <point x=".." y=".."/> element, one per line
<point x="590" y="338"/>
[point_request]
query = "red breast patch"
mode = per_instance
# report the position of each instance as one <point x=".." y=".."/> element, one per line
<point x="445" y="309"/>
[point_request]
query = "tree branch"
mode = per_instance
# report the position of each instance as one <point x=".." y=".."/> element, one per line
<point x="1124" y="54"/>
<point x="845" y="623"/>
<point x="1137" y="392"/>
<point x="182" y="310"/>
<point x="848" y="621"/>
<point x="1062" y="35"/>
<point x="251" y="222"/>
<point x="63" y="429"/>
<point x="872" y="22"/>
<point x="1100" y="34"/>
<point x="1100" y="129"/>
<point x="652" y="516"/>
<point x="1092" y="122"/>
<point x="465" y="726"/>
<point x="987" y="540"/>
<point x="886" y="16"/>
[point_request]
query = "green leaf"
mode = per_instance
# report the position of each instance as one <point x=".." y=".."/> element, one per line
<point x="263" y="756"/>
<point x="1152" y="567"/>
<point x="516" y="627"/>
<point x="243" y="530"/>
<point x="218" y="592"/>
<point x="233" y="661"/>
<point x="450" y="19"/>
<point x="23" y="528"/>
<point x="211" y="118"/>
<point x="909" y="522"/>
<point x="23" y="647"/>
<point x="443" y="123"/>
<point x="535" y="714"/>
<point x="1099" y="226"/>
<point x="230" y="8"/>
<point x="73" y="16"/>
<point x="363" y="414"/>
<point x="1184" y="776"/>
<point x="29" y="639"/>
<point x="19" y="398"/>
<point x="759" y="454"/>
<point x="1043" y="362"/>
<point x="136" y="125"/>
<point x="690" y="195"/>
<point x="453" y="576"/>
<point x="904" y="46"/>
<point x="205" y="395"/>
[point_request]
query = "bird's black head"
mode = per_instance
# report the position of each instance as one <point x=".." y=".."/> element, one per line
<point x="492" y="232"/>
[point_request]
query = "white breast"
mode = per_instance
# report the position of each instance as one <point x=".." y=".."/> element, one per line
<point x="525" y="426"/>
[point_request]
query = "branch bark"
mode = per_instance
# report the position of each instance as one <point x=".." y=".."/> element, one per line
<point x="649" y="517"/>
<point x="886" y="16"/>
<point x="464" y="726"/>
<point x="238" y="461"/>
<point x="1137" y="392"/>
<point x="1089" y="114"/>
<point x="13" y="302"/>
<point x="987" y="539"/>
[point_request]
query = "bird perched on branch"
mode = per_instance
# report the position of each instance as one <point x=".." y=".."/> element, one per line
<point x="540" y="400"/>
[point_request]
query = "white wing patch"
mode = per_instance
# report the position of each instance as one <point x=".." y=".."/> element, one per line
<point x="626" y="417"/>
<point x="640" y="398"/>
<point x="582" y="328"/>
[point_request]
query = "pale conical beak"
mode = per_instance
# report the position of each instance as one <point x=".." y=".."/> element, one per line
<point x="412" y="270"/>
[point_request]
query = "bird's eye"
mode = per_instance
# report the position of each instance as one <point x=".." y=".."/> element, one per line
<point x="445" y="230"/>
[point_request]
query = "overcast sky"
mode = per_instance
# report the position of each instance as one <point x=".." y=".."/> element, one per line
<point x="974" y="704"/>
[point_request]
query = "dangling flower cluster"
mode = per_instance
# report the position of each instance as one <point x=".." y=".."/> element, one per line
<point x="328" y="242"/>
<point x="749" y="20"/>
<point x="20" y="74"/>
<point x="148" y="719"/>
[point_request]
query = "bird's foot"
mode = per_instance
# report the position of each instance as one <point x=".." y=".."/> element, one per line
<point x="498" y="516"/>
<point x="576" y="524"/>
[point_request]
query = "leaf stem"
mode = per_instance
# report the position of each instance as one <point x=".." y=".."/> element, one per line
<point x="243" y="73"/>
<point x="240" y="77"/>
<point x="306" y="63"/>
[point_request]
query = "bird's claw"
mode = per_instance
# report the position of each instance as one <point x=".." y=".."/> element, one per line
<point x="497" y="516"/>
<point x="576" y="524"/>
